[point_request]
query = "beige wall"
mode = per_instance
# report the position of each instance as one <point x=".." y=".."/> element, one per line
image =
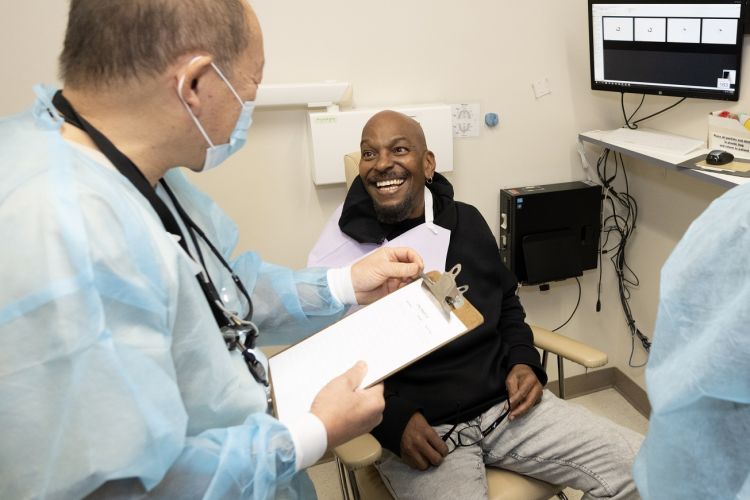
<point x="396" y="53"/>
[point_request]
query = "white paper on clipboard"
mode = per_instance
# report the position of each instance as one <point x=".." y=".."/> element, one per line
<point x="388" y="335"/>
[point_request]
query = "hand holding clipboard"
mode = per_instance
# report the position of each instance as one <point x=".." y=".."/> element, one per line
<point x="388" y="335"/>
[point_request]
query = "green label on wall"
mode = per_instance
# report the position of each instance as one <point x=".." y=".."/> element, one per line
<point x="325" y="119"/>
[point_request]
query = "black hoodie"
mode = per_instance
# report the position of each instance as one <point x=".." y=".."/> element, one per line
<point x="467" y="376"/>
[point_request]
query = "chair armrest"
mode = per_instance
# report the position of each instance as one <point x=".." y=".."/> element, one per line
<point x="359" y="452"/>
<point x="270" y="350"/>
<point x="568" y="348"/>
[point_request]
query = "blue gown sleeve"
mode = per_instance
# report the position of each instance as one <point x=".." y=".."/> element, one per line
<point x="288" y="305"/>
<point x="217" y="464"/>
<point x="102" y="336"/>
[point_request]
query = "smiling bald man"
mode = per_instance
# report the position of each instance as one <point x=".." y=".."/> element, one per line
<point x="477" y="401"/>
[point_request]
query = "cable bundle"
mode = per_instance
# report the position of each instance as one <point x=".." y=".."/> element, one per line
<point x="620" y="224"/>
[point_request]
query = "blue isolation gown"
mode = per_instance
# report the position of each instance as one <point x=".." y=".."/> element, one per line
<point x="112" y="368"/>
<point x="698" y="374"/>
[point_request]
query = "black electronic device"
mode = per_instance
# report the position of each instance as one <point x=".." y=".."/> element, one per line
<point x="550" y="232"/>
<point x="719" y="157"/>
<point x="667" y="47"/>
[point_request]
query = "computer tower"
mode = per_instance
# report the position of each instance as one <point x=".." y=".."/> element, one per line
<point x="550" y="232"/>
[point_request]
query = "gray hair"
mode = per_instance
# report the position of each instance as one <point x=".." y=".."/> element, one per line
<point x="110" y="41"/>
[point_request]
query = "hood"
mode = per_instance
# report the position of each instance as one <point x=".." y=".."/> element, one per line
<point x="358" y="219"/>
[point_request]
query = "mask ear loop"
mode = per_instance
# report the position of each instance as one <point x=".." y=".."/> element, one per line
<point x="180" y="84"/>
<point x="224" y="78"/>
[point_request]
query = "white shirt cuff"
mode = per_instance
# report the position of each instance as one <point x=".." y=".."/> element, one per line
<point x="340" y="283"/>
<point x="310" y="440"/>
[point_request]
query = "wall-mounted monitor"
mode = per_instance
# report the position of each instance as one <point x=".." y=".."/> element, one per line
<point x="683" y="49"/>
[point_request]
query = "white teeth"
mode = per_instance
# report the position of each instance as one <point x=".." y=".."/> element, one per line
<point x="392" y="182"/>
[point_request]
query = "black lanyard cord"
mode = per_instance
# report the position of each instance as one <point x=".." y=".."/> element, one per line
<point x="193" y="228"/>
<point x="130" y="171"/>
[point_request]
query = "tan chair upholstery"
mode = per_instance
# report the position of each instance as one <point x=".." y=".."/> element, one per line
<point x="565" y="348"/>
<point x="568" y="348"/>
<point x="351" y="167"/>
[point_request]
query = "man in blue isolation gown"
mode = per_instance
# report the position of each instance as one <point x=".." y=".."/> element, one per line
<point x="127" y="360"/>
<point x="698" y="375"/>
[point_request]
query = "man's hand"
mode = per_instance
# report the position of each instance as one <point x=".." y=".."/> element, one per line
<point x="345" y="410"/>
<point x="383" y="271"/>
<point x="524" y="390"/>
<point x="421" y="446"/>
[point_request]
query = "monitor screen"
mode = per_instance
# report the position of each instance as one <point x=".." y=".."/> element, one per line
<point x="684" y="49"/>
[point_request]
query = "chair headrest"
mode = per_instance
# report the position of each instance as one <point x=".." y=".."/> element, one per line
<point x="351" y="167"/>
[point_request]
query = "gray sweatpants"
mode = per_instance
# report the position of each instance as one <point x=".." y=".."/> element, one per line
<point x="556" y="441"/>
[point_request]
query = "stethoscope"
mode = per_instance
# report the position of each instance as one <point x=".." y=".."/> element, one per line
<point x="238" y="333"/>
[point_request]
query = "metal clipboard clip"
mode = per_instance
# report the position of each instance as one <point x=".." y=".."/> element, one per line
<point x="445" y="291"/>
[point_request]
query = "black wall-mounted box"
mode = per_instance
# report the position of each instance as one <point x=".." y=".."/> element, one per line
<point x="550" y="232"/>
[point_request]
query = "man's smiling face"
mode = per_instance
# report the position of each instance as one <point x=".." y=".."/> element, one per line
<point x="394" y="165"/>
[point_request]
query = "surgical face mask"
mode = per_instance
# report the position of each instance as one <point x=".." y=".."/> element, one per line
<point x="217" y="153"/>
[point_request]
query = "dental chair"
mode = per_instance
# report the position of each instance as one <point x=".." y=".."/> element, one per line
<point x="360" y="479"/>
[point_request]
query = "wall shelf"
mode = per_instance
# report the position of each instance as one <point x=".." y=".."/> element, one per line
<point x="660" y="158"/>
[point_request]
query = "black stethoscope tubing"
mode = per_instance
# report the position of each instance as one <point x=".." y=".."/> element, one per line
<point x="224" y="319"/>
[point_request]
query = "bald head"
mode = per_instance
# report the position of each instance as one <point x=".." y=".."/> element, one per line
<point x="395" y="165"/>
<point x="397" y="121"/>
<point x="119" y="41"/>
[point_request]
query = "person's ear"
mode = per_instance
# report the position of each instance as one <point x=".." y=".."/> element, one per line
<point x="190" y="83"/>
<point x="428" y="164"/>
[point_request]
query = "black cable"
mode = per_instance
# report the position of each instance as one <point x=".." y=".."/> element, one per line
<point x="634" y="125"/>
<point x="643" y="99"/>
<point x="599" y="285"/>
<point x="602" y="244"/>
<point x="639" y="120"/>
<point x="574" y="309"/>
<point x="622" y="223"/>
<point x="624" y="115"/>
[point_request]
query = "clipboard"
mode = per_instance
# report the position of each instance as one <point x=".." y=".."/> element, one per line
<point x="389" y="335"/>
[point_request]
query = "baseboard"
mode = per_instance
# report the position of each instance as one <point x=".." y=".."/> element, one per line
<point x="608" y="378"/>
<point x="633" y="392"/>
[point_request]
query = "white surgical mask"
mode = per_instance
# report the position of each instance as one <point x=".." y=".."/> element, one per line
<point x="217" y="153"/>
